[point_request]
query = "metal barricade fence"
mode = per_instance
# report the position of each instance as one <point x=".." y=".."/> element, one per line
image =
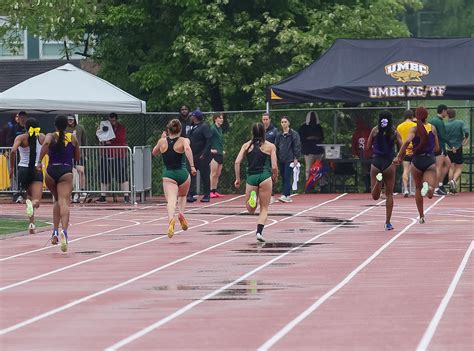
<point x="107" y="170"/>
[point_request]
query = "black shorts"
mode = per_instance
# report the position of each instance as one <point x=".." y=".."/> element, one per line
<point x="57" y="171"/>
<point x="423" y="162"/>
<point x="113" y="168"/>
<point x="456" y="157"/>
<point x="382" y="163"/>
<point x="219" y="158"/>
<point x="408" y="158"/>
<point x="24" y="179"/>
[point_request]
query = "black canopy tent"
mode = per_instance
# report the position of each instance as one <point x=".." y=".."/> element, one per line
<point x="361" y="70"/>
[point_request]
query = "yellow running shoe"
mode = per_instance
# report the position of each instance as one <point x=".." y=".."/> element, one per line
<point x="63" y="240"/>
<point x="171" y="228"/>
<point x="183" y="222"/>
<point x="29" y="208"/>
<point x="253" y="199"/>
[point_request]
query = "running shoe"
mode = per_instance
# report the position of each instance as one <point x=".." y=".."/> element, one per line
<point x="213" y="195"/>
<point x="439" y="192"/>
<point x="171" y="228"/>
<point x="32" y="228"/>
<point x="425" y="188"/>
<point x="452" y="186"/>
<point x="388" y="226"/>
<point x="183" y="221"/>
<point x="76" y="198"/>
<point x="379" y="177"/>
<point x="54" y="238"/>
<point x="218" y="194"/>
<point x="63" y="240"/>
<point x="29" y="208"/>
<point x="253" y="199"/>
<point x="260" y="237"/>
<point x="422" y="220"/>
<point x="406" y="193"/>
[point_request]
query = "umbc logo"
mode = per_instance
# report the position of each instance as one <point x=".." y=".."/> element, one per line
<point x="407" y="71"/>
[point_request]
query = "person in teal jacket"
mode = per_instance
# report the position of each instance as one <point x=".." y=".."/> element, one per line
<point x="457" y="135"/>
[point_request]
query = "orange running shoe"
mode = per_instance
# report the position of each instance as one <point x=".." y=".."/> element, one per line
<point x="171" y="228"/>
<point x="183" y="221"/>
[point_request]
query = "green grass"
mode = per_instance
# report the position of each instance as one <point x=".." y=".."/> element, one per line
<point x="10" y="225"/>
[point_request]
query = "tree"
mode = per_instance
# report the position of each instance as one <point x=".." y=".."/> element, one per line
<point x="217" y="54"/>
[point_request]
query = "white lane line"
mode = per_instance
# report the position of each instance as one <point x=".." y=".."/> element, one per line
<point x="287" y="328"/>
<point x="111" y="230"/>
<point x="426" y="339"/>
<point x="6" y="287"/>
<point x="114" y="287"/>
<point x="195" y="303"/>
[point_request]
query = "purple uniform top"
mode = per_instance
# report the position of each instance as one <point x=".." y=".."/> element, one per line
<point x="65" y="156"/>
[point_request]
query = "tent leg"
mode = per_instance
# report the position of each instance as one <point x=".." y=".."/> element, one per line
<point x="267" y="107"/>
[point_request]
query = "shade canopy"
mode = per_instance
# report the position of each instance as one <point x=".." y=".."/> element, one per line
<point x="359" y="70"/>
<point x="68" y="89"/>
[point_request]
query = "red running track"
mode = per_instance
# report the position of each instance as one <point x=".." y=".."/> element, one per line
<point x="329" y="278"/>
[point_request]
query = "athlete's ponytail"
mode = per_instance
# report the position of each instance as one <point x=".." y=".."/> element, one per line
<point x="33" y="130"/>
<point x="61" y="124"/>
<point x="421" y="114"/>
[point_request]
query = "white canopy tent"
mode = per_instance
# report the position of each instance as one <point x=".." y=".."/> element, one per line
<point x="68" y="89"/>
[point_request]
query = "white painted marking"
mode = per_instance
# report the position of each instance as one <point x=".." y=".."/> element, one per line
<point x="288" y="327"/>
<point x="102" y="292"/>
<point x="428" y="335"/>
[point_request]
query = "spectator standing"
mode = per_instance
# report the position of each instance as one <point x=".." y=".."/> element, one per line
<point x="442" y="162"/>
<point x="217" y="153"/>
<point x="311" y="134"/>
<point x="200" y="137"/>
<point x="288" y="146"/>
<point x="457" y="135"/>
<point x="403" y="129"/>
<point x="185" y="120"/>
<point x="271" y="131"/>
<point x="113" y="163"/>
<point x="360" y="150"/>
<point x="80" y="134"/>
<point x="19" y="128"/>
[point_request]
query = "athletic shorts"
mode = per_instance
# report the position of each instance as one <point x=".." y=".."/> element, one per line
<point x="57" y="171"/>
<point x="456" y="157"/>
<point x="423" y="162"/>
<point x="382" y="163"/>
<point x="113" y="168"/>
<point x="24" y="179"/>
<point x="256" y="179"/>
<point x="178" y="175"/>
<point x="219" y="158"/>
<point x="408" y="158"/>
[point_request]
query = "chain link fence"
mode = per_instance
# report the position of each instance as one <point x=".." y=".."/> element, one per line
<point x="338" y="126"/>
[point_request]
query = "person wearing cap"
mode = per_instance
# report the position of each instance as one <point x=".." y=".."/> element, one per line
<point x="114" y="163"/>
<point x="200" y="136"/>
<point x="80" y="134"/>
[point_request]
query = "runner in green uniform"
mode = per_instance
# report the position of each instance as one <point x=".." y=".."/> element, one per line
<point x="176" y="180"/>
<point x="262" y="171"/>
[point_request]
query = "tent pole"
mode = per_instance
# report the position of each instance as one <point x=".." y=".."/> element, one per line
<point x="408" y="104"/>
<point x="267" y="107"/>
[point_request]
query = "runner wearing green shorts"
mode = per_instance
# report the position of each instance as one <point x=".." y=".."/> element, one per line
<point x="176" y="180"/>
<point x="262" y="171"/>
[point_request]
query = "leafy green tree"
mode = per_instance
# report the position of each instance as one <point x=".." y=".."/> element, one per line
<point x="216" y="54"/>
